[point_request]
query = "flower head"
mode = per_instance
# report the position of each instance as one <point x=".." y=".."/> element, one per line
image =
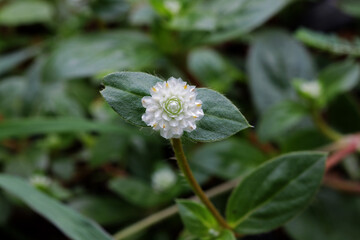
<point x="40" y="181"/>
<point x="163" y="179"/>
<point x="172" y="6"/>
<point x="172" y="108"/>
<point x="312" y="89"/>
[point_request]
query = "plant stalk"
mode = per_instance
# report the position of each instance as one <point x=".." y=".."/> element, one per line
<point x="185" y="169"/>
<point x="341" y="154"/>
<point x="338" y="183"/>
<point x="324" y="127"/>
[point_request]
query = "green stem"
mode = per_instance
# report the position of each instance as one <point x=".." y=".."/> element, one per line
<point x="185" y="169"/>
<point x="170" y="211"/>
<point x="145" y="223"/>
<point x="324" y="127"/>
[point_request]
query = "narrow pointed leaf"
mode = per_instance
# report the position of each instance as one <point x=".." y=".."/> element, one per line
<point x="339" y="78"/>
<point x="33" y="126"/>
<point x="11" y="60"/>
<point x="330" y="43"/>
<point x="71" y="223"/>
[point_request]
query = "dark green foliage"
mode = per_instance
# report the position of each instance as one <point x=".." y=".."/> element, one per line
<point x="72" y="76"/>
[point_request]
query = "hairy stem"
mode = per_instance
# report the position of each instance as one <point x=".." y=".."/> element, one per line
<point x="185" y="169"/>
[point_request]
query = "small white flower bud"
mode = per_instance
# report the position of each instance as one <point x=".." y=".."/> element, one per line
<point x="173" y="6"/>
<point x="163" y="179"/>
<point x="40" y="181"/>
<point x="213" y="232"/>
<point x="313" y="88"/>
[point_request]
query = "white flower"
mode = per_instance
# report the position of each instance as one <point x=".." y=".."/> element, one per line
<point x="163" y="179"/>
<point x="40" y="181"/>
<point x="172" y="108"/>
<point x="173" y="6"/>
<point x="313" y="88"/>
<point x="213" y="232"/>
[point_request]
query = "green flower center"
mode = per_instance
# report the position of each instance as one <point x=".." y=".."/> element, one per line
<point x="173" y="106"/>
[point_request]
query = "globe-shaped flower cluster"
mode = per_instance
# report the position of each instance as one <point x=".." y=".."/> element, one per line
<point x="172" y="108"/>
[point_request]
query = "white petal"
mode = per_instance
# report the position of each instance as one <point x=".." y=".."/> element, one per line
<point x="173" y="123"/>
<point x="158" y="113"/>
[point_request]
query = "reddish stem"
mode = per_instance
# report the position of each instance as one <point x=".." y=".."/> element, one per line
<point x="340" y="155"/>
<point x="266" y="148"/>
<point x="338" y="183"/>
<point x="114" y="171"/>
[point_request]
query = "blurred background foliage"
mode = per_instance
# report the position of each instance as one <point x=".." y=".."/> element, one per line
<point x="57" y="133"/>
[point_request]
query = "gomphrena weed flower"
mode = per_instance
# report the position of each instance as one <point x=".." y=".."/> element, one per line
<point x="163" y="179"/>
<point x="312" y="89"/>
<point x="172" y="108"/>
<point x="40" y="181"/>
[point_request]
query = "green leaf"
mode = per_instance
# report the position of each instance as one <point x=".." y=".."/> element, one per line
<point x="33" y="96"/>
<point x="90" y="54"/>
<point x="11" y="60"/>
<point x="209" y="67"/>
<point x="227" y="159"/>
<point x="339" y="78"/>
<point x="330" y="43"/>
<point x="332" y="216"/>
<point x="272" y="68"/>
<point x="302" y="139"/>
<point x="280" y="118"/>
<point x="140" y="193"/>
<point x="124" y="91"/>
<point x="197" y="218"/>
<point x="275" y="192"/>
<point x="351" y="7"/>
<point x="135" y="191"/>
<point x="26" y="12"/>
<point x="108" y="147"/>
<point x="226" y="19"/>
<point x="55" y="99"/>
<point x="11" y="104"/>
<point x="110" y="10"/>
<point x="5" y="208"/>
<point x="142" y="15"/>
<point x="33" y="126"/>
<point x="167" y="8"/>
<point x="71" y="223"/>
<point x="352" y="167"/>
<point x="226" y="235"/>
<point x="102" y="209"/>
<point x="348" y="121"/>
<point x="240" y="17"/>
<point x="222" y="119"/>
<point x="185" y="235"/>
